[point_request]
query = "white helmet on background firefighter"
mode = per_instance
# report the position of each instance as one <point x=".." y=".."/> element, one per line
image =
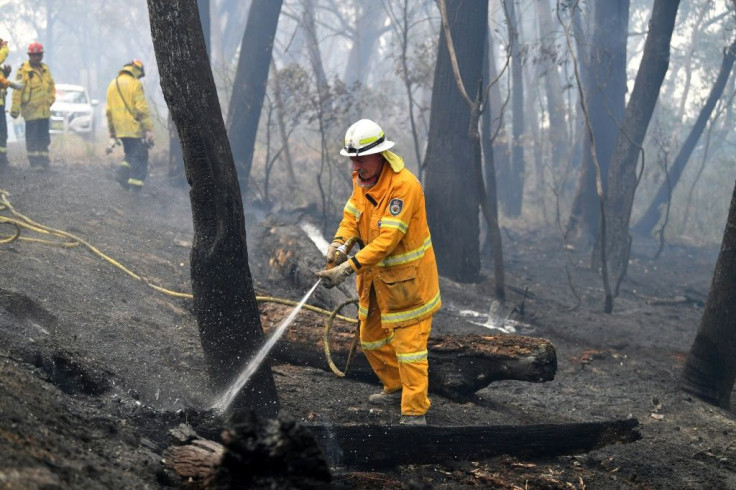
<point x="365" y="138"/>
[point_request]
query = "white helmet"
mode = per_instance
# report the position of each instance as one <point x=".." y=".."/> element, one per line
<point x="365" y="138"/>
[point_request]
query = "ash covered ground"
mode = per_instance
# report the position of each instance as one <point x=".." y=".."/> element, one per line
<point x="95" y="366"/>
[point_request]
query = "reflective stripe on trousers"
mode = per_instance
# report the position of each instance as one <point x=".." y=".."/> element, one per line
<point x="398" y="356"/>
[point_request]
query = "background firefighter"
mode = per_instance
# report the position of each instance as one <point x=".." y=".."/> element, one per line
<point x="33" y="102"/>
<point x="396" y="270"/>
<point x="4" y="84"/>
<point x="129" y="120"/>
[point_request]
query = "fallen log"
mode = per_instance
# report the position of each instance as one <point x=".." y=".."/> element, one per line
<point x="371" y="446"/>
<point x="459" y="365"/>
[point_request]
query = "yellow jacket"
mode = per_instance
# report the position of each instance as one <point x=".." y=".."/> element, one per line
<point x="127" y="110"/>
<point x="4" y="51"/>
<point x="39" y="92"/>
<point x="398" y="258"/>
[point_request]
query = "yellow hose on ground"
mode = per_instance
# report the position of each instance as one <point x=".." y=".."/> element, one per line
<point x="21" y="222"/>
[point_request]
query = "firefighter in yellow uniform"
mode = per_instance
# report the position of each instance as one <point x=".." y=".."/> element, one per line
<point x="4" y="83"/>
<point x="33" y="101"/>
<point x="129" y="120"/>
<point x="396" y="271"/>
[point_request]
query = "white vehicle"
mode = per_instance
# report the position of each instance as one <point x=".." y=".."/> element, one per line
<point x="73" y="111"/>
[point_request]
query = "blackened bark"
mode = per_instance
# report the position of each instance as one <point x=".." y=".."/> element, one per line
<point x="654" y="212"/>
<point x="710" y="369"/>
<point x="224" y="298"/>
<point x="450" y="185"/>
<point x="249" y="87"/>
<point x="371" y="446"/>
<point x="622" y="175"/>
<point x="605" y="90"/>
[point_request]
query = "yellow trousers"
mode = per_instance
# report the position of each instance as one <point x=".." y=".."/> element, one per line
<point x="398" y="356"/>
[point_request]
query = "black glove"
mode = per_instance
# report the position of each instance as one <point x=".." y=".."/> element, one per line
<point x="6" y="70"/>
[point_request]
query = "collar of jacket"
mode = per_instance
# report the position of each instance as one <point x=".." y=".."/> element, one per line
<point x="27" y="67"/>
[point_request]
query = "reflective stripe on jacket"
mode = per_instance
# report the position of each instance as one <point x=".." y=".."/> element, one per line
<point x="127" y="111"/>
<point x="39" y="92"/>
<point x="398" y="258"/>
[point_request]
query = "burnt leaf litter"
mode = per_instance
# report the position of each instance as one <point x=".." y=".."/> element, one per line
<point x="98" y="372"/>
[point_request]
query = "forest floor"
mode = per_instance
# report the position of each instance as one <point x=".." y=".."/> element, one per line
<point x="90" y="357"/>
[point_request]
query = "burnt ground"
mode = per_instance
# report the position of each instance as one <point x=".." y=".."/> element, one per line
<point x="95" y="366"/>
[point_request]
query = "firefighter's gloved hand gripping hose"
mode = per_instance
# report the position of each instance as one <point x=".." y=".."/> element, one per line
<point x="337" y="256"/>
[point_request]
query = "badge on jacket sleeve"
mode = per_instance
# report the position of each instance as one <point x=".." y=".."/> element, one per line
<point x="395" y="206"/>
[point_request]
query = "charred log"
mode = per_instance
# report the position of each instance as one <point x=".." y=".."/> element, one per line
<point x="369" y="446"/>
<point x="258" y="453"/>
<point x="459" y="365"/>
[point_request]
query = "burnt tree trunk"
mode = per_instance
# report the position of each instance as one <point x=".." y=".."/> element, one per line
<point x="710" y="369"/>
<point x="493" y="131"/>
<point x="224" y="298"/>
<point x="622" y="175"/>
<point x="249" y="88"/>
<point x="605" y="92"/>
<point x="558" y="137"/>
<point x="654" y="212"/>
<point x="515" y="183"/>
<point x="450" y="179"/>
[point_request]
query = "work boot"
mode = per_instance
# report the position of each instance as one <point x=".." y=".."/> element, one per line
<point x="413" y="420"/>
<point x="383" y="398"/>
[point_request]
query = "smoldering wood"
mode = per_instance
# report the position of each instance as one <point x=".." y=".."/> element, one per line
<point x="370" y="446"/>
<point x="459" y="365"/>
<point x="196" y="460"/>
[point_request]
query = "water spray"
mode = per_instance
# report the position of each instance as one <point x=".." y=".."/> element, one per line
<point x="223" y="403"/>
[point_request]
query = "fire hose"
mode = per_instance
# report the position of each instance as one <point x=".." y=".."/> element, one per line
<point x="60" y="238"/>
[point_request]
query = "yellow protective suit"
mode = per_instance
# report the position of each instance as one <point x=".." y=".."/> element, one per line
<point x="4" y="84"/>
<point x="39" y="92"/>
<point x="397" y="280"/>
<point x="127" y="110"/>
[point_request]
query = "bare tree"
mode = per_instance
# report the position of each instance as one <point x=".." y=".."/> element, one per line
<point x="250" y="84"/>
<point x="654" y="212"/>
<point x="605" y="91"/>
<point x="622" y="175"/>
<point x="515" y="183"/>
<point x="224" y="299"/>
<point x="451" y="181"/>
<point x="559" y="139"/>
